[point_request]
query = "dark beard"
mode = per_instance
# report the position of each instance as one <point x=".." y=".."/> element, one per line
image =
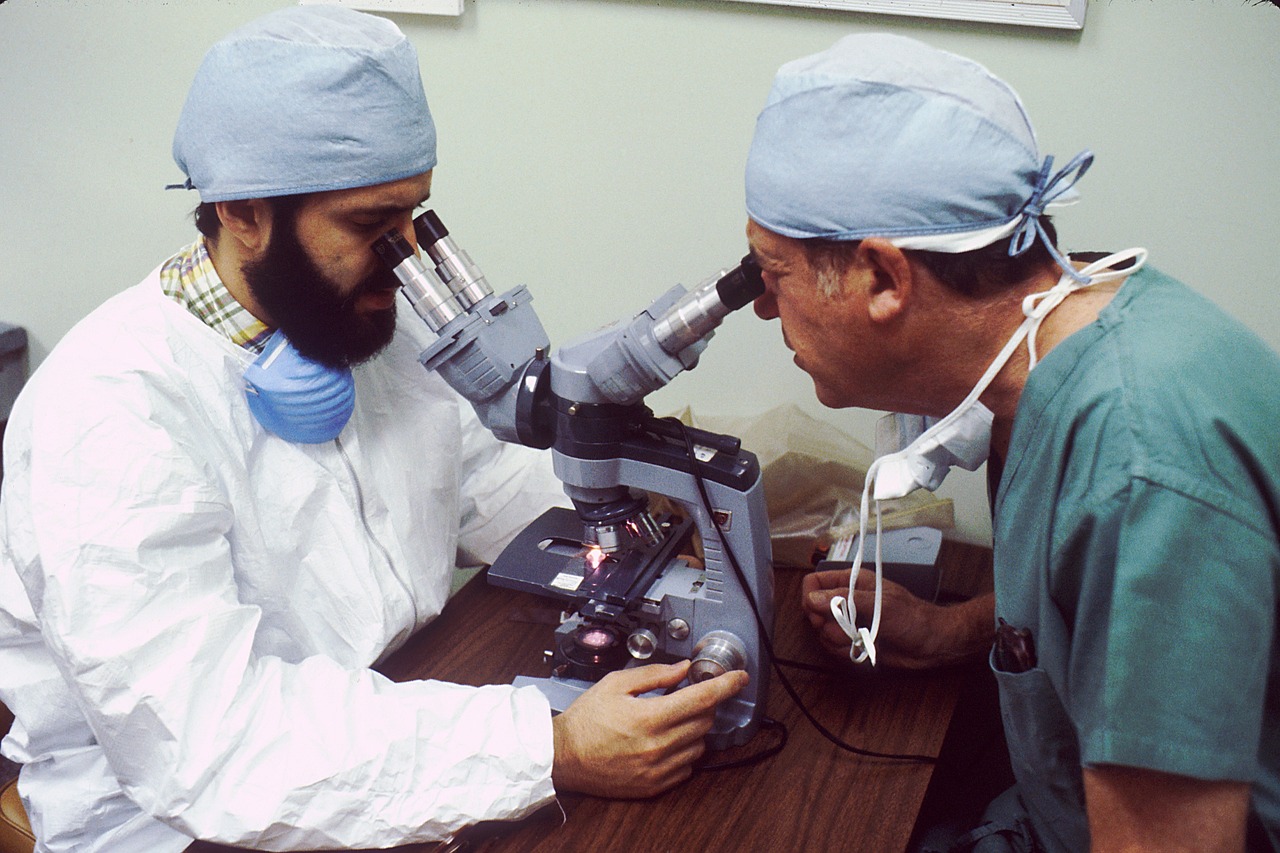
<point x="308" y="306"/>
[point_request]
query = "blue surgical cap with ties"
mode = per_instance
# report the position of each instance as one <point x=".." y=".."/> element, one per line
<point x="305" y="99"/>
<point x="884" y="136"/>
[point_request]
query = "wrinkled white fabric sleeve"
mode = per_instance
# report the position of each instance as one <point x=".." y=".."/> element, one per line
<point x="136" y="594"/>
<point x="504" y="487"/>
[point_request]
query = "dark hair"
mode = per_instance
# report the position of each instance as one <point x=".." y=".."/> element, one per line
<point x="976" y="273"/>
<point x="208" y="223"/>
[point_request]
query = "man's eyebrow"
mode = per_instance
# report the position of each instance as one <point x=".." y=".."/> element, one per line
<point x="384" y="208"/>
<point x="765" y="259"/>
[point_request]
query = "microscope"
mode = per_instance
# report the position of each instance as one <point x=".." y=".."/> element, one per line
<point x="620" y="565"/>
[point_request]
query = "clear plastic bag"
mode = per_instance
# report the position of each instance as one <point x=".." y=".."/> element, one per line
<point x="813" y="473"/>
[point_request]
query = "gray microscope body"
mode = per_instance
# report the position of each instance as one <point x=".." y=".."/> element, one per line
<point x="625" y="575"/>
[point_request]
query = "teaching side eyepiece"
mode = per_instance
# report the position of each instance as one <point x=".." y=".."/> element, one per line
<point x="741" y="285"/>
<point x="700" y="310"/>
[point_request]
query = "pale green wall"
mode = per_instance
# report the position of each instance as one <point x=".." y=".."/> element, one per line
<point x="593" y="149"/>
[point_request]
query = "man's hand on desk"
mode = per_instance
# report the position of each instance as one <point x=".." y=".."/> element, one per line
<point x="611" y="742"/>
<point x="914" y="633"/>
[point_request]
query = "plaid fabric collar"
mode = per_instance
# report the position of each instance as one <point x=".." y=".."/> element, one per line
<point x="190" y="279"/>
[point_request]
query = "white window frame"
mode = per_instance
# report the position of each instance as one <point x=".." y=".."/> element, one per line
<point x="1058" y="14"/>
<point x="421" y="7"/>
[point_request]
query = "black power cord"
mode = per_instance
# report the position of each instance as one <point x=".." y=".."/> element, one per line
<point x="756" y="757"/>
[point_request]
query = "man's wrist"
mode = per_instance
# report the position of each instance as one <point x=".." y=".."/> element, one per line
<point x="967" y="630"/>
<point x="562" y="763"/>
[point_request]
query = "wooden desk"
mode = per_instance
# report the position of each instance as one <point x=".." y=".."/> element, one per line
<point x="811" y="796"/>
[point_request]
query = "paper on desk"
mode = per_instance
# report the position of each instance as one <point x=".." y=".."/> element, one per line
<point x="810" y="469"/>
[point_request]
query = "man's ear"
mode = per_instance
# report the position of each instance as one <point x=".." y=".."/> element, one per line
<point x="892" y="282"/>
<point x="248" y="221"/>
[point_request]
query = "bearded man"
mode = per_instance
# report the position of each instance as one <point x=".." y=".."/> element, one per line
<point x="232" y="489"/>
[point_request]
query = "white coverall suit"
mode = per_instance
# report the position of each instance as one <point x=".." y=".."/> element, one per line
<point x="189" y="605"/>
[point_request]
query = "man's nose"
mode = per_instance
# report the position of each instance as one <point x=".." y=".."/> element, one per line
<point x="765" y="306"/>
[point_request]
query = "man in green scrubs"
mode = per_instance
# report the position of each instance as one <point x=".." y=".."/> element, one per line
<point x="897" y="202"/>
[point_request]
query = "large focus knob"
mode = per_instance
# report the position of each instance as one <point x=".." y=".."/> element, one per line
<point x="717" y="652"/>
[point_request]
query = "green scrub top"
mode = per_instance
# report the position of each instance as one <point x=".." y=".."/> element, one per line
<point x="1135" y="528"/>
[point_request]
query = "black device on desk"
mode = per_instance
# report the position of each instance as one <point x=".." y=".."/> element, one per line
<point x="909" y="557"/>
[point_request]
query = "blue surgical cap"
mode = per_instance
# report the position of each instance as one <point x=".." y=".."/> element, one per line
<point x="306" y="99"/>
<point x="884" y="136"/>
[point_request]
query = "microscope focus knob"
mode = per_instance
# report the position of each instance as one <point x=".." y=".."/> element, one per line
<point x="642" y="644"/>
<point x="717" y="652"/>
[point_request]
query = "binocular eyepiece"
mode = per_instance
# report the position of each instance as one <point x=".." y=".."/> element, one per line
<point x="444" y="291"/>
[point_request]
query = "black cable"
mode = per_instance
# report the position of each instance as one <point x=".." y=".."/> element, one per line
<point x="756" y="757"/>
<point x="809" y="667"/>
<point x="764" y="630"/>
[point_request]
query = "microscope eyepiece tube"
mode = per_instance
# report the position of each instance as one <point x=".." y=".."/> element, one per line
<point x="741" y="285"/>
<point x="453" y="265"/>
<point x="430" y="297"/>
<point x="702" y="309"/>
<point x="429" y="229"/>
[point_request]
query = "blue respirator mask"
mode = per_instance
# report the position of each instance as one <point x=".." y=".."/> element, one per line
<point x="296" y="398"/>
